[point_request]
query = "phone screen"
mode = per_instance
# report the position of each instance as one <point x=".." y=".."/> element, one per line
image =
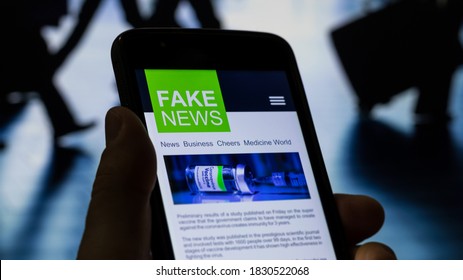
<point x="234" y="171"/>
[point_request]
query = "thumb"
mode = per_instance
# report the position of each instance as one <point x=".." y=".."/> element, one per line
<point x="118" y="222"/>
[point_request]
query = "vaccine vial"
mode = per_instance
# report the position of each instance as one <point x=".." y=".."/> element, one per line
<point x="219" y="179"/>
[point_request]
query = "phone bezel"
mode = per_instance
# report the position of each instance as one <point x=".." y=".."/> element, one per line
<point x="225" y="50"/>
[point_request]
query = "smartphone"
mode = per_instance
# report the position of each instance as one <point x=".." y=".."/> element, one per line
<point x="240" y="171"/>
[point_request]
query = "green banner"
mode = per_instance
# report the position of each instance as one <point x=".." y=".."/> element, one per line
<point x="187" y="101"/>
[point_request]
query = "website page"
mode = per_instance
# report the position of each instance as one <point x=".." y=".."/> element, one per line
<point x="233" y="169"/>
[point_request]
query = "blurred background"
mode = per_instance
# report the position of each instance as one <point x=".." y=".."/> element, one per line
<point x="396" y="135"/>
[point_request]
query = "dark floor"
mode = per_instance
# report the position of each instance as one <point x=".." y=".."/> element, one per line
<point x="416" y="173"/>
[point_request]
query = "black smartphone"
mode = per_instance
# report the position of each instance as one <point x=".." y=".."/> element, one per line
<point x="240" y="171"/>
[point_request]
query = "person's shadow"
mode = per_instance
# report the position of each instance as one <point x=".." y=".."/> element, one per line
<point x="163" y="14"/>
<point x="408" y="43"/>
<point x="418" y="171"/>
<point x="29" y="66"/>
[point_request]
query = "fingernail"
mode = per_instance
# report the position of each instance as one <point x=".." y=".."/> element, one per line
<point x="113" y="125"/>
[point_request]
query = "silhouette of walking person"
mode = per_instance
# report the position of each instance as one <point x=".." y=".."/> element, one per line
<point x="444" y="55"/>
<point x="408" y="43"/>
<point x="164" y="14"/>
<point x="27" y="64"/>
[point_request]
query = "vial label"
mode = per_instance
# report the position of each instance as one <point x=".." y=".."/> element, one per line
<point x="209" y="178"/>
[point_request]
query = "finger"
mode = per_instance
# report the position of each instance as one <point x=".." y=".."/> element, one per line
<point x="118" y="222"/>
<point x="374" y="251"/>
<point x="361" y="216"/>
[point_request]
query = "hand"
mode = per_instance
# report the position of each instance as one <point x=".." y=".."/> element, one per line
<point x="362" y="217"/>
<point x="119" y="224"/>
